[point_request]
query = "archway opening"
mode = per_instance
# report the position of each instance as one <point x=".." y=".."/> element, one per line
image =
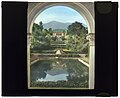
<point x="60" y="23"/>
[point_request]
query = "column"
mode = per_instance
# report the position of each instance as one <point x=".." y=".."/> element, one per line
<point x="91" y="38"/>
<point x="28" y="57"/>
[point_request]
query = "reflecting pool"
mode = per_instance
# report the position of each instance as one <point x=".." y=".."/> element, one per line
<point x="68" y="73"/>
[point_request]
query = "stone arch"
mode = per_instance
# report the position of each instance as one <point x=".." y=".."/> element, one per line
<point x="80" y="8"/>
<point x="35" y="8"/>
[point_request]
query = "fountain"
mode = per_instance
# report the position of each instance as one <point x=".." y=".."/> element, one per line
<point x="58" y="52"/>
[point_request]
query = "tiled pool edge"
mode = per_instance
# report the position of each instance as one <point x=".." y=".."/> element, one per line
<point x="34" y="61"/>
<point x="83" y="62"/>
<point x="80" y="60"/>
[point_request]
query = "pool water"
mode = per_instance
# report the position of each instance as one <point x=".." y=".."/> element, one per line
<point x="68" y="73"/>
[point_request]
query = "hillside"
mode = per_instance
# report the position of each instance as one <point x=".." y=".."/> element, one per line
<point x="56" y="25"/>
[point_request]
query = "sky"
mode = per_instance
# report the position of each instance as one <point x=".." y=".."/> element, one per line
<point x="61" y="14"/>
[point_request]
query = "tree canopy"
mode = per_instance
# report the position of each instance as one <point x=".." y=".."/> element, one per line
<point x="76" y="37"/>
<point x="41" y="37"/>
<point x="76" y="29"/>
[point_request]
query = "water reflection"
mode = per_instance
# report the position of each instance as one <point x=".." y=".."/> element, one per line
<point x="54" y="78"/>
<point x="72" y="71"/>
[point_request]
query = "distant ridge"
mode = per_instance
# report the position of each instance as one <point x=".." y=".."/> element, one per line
<point x="58" y="25"/>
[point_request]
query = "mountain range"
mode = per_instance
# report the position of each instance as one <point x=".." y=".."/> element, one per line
<point x="57" y="25"/>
